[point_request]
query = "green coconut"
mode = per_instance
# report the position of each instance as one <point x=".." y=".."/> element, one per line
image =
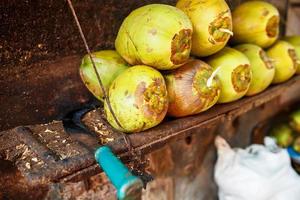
<point x="262" y="68"/>
<point x="295" y="120"/>
<point x="284" y="59"/>
<point x="283" y="134"/>
<point x="234" y="72"/>
<point x="109" y="65"/>
<point x="192" y="88"/>
<point x="138" y="98"/>
<point x="212" y="24"/>
<point x="156" y="35"/>
<point x="295" y="41"/>
<point x="296" y="144"/>
<point x="255" y="22"/>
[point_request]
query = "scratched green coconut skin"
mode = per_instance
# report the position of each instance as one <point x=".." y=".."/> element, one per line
<point x="295" y="41"/>
<point x="209" y="18"/>
<point x="255" y="22"/>
<point x="138" y="98"/>
<point x="262" y="68"/>
<point x="109" y="65"/>
<point x="285" y="60"/>
<point x="234" y="73"/>
<point x="190" y="90"/>
<point x="156" y="35"/>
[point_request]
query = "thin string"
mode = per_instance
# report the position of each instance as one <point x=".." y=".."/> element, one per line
<point x="106" y="99"/>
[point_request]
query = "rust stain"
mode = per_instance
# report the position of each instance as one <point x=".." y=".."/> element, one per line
<point x="160" y="161"/>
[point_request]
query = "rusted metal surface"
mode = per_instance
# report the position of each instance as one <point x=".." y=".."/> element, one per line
<point x="179" y="166"/>
<point x="43" y="92"/>
<point x="90" y="188"/>
<point x="34" y="30"/>
<point x="44" y="153"/>
<point x="13" y="185"/>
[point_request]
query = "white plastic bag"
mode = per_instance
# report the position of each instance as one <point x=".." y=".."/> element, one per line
<point x="255" y="173"/>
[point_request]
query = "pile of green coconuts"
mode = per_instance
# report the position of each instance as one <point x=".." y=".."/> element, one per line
<point x="173" y="61"/>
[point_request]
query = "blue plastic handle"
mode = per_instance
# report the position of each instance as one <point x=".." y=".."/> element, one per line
<point x="128" y="186"/>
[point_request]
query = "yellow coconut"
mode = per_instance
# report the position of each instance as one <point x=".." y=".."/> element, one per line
<point x="295" y="41"/>
<point x="109" y="65"/>
<point x="138" y="98"/>
<point x="262" y="68"/>
<point x="285" y="60"/>
<point x="212" y="24"/>
<point x="156" y="35"/>
<point x="255" y="22"/>
<point x="192" y="88"/>
<point x="234" y="72"/>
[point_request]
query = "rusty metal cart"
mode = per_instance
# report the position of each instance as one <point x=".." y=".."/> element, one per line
<point x="42" y="158"/>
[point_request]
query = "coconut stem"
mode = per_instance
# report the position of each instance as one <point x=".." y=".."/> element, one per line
<point x="224" y="30"/>
<point x="210" y="79"/>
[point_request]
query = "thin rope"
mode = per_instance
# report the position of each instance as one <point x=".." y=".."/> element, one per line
<point x="106" y="99"/>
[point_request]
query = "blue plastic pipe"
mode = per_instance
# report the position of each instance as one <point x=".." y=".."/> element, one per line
<point x="129" y="187"/>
